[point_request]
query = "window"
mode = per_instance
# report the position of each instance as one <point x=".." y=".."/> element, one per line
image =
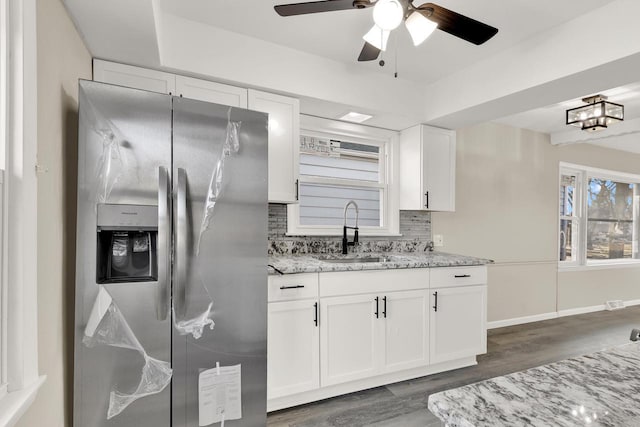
<point x="569" y="217"/>
<point x="599" y="217"/>
<point x="4" y="57"/>
<point x="18" y="139"/>
<point x="337" y="163"/>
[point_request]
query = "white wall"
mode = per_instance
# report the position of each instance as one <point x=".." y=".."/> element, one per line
<point x="506" y="210"/>
<point x="62" y="60"/>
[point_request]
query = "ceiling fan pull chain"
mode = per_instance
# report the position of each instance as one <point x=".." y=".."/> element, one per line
<point x="396" y="64"/>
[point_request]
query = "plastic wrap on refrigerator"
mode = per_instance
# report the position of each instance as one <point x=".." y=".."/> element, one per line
<point x="195" y="326"/>
<point x="230" y="147"/>
<point x="107" y="326"/>
<point x="112" y="162"/>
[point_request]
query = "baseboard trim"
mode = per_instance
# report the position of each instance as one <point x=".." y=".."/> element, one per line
<point x="582" y="310"/>
<point x="552" y="315"/>
<point x="321" y="393"/>
<point x="521" y="320"/>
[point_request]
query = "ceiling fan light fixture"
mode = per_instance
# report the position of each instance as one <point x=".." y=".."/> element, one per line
<point x="388" y="14"/>
<point x="419" y="27"/>
<point x="377" y="37"/>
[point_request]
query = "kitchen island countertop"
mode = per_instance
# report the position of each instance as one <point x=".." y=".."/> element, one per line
<point x="599" y="389"/>
<point x="312" y="263"/>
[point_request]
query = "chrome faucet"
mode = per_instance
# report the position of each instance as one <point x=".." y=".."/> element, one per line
<point x="345" y="242"/>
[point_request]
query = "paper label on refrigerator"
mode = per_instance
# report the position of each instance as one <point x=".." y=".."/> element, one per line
<point x="220" y="395"/>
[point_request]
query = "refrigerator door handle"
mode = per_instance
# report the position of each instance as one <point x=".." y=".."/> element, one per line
<point x="164" y="245"/>
<point x="180" y="260"/>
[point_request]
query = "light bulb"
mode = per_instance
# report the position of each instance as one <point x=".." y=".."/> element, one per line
<point x="377" y="37"/>
<point x="388" y="14"/>
<point x="419" y="27"/>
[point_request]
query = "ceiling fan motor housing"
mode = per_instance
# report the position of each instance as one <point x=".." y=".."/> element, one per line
<point x="361" y="4"/>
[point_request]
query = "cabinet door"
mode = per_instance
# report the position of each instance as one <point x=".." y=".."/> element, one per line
<point x="293" y="351"/>
<point x="349" y="338"/>
<point x="406" y="331"/>
<point x="439" y="168"/>
<point x="284" y="142"/>
<point x="458" y="322"/>
<point x="135" y="77"/>
<point x="207" y="91"/>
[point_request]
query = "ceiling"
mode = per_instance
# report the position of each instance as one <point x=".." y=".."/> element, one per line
<point x="541" y="62"/>
<point x="551" y="119"/>
<point x="338" y="35"/>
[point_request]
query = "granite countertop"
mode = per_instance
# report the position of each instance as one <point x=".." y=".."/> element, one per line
<point x="312" y="263"/>
<point x="600" y="389"/>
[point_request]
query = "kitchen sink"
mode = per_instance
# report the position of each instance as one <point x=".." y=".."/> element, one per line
<point x="354" y="260"/>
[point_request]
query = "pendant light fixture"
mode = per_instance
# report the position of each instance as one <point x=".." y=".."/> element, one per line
<point x="598" y="114"/>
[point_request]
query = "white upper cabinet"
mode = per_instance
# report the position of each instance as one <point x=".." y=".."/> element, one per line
<point x="284" y="142"/>
<point x="204" y="90"/>
<point x="134" y="77"/>
<point x="284" y="114"/>
<point x="427" y="169"/>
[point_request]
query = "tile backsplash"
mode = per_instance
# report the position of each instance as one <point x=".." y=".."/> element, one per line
<point x="415" y="230"/>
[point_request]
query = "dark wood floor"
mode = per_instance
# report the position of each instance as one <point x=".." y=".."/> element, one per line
<point x="510" y="349"/>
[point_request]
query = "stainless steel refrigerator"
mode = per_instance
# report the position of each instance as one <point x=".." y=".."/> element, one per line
<point x="170" y="314"/>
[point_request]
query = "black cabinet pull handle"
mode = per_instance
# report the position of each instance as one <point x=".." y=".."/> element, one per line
<point x="297" y="189"/>
<point x="427" y="204"/>
<point x="377" y="313"/>
<point x="435" y="307"/>
<point x="315" y="319"/>
<point x="384" y="310"/>
<point x="459" y="276"/>
<point x="292" y="287"/>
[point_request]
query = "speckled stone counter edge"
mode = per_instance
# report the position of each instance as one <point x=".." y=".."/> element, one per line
<point x="293" y="264"/>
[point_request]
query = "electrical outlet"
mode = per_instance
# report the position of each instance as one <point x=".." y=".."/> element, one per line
<point x="438" y="240"/>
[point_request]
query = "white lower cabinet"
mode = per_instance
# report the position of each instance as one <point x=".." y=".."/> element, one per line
<point x="458" y="322"/>
<point x="372" y="334"/>
<point x="406" y="330"/>
<point x="349" y="339"/>
<point x="374" y="328"/>
<point x="293" y="348"/>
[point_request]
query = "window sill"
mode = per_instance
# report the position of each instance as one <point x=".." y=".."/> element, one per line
<point x="598" y="266"/>
<point x="13" y="405"/>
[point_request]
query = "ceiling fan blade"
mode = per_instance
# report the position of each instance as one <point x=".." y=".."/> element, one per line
<point x="368" y="53"/>
<point x="461" y="26"/>
<point x="320" y="6"/>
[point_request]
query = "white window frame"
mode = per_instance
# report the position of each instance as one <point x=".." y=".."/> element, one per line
<point x="388" y="141"/>
<point x="583" y="174"/>
<point x="19" y="272"/>
<point x="577" y="217"/>
<point x="4" y="100"/>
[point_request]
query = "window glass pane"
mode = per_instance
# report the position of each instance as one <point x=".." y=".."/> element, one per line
<point x="567" y="229"/>
<point x="567" y="195"/>
<point x="335" y="159"/>
<point x="610" y="219"/>
<point x="324" y="205"/>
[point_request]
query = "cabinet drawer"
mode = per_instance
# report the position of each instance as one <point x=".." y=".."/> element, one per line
<point x="458" y="276"/>
<point x="372" y="281"/>
<point x="290" y="287"/>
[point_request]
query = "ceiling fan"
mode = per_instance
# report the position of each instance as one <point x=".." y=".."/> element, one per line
<point x="420" y="21"/>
